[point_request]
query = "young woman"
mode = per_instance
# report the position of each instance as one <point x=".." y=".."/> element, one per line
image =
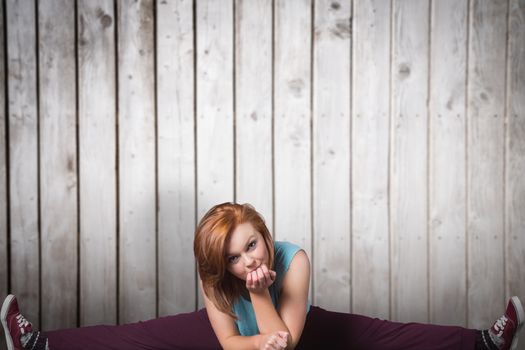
<point x="256" y="296"/>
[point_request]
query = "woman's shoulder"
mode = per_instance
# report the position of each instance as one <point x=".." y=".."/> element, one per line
<point x="284" y="254"/>
<point x="284" y="246"/>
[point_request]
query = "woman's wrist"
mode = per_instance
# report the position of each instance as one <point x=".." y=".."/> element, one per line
<point x="257" y="341"/>
<point x="259" y="293"/>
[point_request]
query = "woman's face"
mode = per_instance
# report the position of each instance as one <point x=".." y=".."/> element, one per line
<point x="245" y="251"/>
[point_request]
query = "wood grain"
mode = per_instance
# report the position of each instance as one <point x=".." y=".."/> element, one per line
<point x="447" y="163"/>
<point x="176" y="156"/>
<point x="97" y="162"/>
<point x="292" y="119"/>
<point x="215" y="152"/>
<point x="515" y="160"/>
<point x="331" y="154"/>
<point x="58" y="163"/>
<point x="4" y="244"/>
<point x="253" y="108"/>
<point x="137" y="192"/>
<point x="370" y="159"/>
<point x="485" y="166"/>
<point x="368" y="132"/>
<point x="408" y="169"/>
<point x="23" y="150"/>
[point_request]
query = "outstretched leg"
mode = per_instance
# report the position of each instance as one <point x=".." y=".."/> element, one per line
<point x="183" y="331"/>
<point x="335" y="330"/>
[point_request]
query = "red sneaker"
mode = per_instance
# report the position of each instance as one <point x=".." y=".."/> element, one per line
<point x="504" y="332"/>
<point x="15" y="325"/>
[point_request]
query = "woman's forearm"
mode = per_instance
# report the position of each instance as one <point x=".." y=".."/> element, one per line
<point x="240" y="342"/>
<point x="268" y="320"/>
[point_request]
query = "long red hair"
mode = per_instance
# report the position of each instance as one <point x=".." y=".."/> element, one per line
<point x="209" y="247"/>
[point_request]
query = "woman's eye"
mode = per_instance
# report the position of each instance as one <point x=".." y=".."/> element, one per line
<point x="252" y="244"/>
<point x="232" y="259"/>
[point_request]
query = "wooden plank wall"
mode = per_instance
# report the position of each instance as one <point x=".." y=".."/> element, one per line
<point x="331" y="154"/>
<point x="408" y="155"/>
<point x="485" y="158"/>
<point x="97" y="162"/>
<point x="447" y="163"/>
<point x="515" y="148"/>
<point x="385" y="137"/>
<point x="176" y="157"/>
<point x="22" y="161"/>
<point x="4" y="265"/>
<point x="58" y="163"/>
<point x="370" y="158"/>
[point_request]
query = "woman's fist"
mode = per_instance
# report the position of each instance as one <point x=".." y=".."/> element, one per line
<point x="274" y="341"/>
<point x="260" y="279"/>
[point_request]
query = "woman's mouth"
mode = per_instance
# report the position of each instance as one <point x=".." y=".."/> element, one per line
<point x="255" y="269"/>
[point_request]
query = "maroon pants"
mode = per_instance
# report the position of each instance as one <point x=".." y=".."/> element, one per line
<point x="323" y="330"/>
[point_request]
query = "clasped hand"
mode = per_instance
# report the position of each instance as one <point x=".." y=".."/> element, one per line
<point x="260" y="279"/>
<point x="273" y="341"/>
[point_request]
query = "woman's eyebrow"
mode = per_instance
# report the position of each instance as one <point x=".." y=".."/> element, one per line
<point x="245" y="244"/>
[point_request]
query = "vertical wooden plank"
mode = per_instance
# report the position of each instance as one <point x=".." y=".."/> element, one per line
<point x="215" y="161"/>
<point x="214" y="103"/>
<point x="370" y="158"/>
<point x="292" y="134"/>
<point x="176" y="156"/>
<point x="3" y="165"/>
<point x="515" y="161"/>
<point x="97" y="161"/>
<point x="331" y="147"/>
<point x="253" y="97"/>
<point x="23" y="151"/>
<point x="447" y="163"/>
<point x="58" y="163"/>
<point x="486" y="98"/>
<point x="137" y="227"/>
<point x="408" y="189"/>
<point x="4" y="273"/>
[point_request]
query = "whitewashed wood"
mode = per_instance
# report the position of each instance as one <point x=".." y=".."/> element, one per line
<point x="137" y="196"/>
<point x="292" y="118"/>
<point x="215" y="160"/>
<point x="331" y="147"/>
<point x="515" y="161"/>
<point x="3" y="167"/>
<point x="23" y="151"/>
<point x="58" y="163"/>
<point x="97" y="162"/>
<point x="485" y="168"/>
<point x="408" y="167"/>
<point x="371" y="53"/>
<point x="4" y="272"/>
<point x="447" y="163"/>
<point x="370" y="158"/>
<point x="176" y="156"/>
<point x="253" y="97"/>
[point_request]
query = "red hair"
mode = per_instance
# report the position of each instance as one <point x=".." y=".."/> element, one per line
<point x="209" y="247"/>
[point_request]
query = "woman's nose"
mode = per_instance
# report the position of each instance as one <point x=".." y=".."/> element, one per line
<point x="249" y="261"/>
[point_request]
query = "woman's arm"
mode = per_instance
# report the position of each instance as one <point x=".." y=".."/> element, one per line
<point x="224" y="327"/>
<point x="268" y="320"/>
<point x="291" y="315"/>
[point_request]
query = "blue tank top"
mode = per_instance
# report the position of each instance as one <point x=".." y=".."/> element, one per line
<point x="243" y="308"/>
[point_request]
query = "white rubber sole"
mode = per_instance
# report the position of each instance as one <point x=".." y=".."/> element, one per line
<point x="3" y="315"/>
<point x="521" y="318"/>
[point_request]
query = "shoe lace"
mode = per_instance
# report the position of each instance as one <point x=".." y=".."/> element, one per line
<point x="22" y="323"/>
<point x="500" y="325"/>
